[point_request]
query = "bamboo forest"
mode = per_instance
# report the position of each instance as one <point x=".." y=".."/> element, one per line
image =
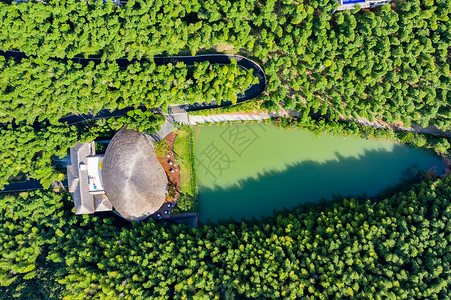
<point x="76" y="77"/>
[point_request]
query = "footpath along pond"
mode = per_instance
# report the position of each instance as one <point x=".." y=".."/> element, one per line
<point x="250" y="170"/>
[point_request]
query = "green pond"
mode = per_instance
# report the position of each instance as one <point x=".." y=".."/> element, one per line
<point x="254" y="170"/>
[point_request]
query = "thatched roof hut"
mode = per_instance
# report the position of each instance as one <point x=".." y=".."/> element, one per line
<point x="133" y="179"/>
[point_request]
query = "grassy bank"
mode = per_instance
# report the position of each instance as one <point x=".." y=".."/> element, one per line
<point x="183" y="150"/>
<point x="440" y="145"/>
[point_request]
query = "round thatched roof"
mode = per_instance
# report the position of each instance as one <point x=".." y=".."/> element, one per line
<point x="133" y="179"/>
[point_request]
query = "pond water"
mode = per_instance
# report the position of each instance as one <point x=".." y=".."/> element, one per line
<point x="251" y="170"/>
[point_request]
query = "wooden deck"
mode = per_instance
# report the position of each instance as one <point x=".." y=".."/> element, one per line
<point x="190" y="219"/>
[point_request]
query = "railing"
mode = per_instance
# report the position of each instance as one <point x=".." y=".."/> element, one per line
<point x="363" y="4"/>
<point x="374" y="3"/>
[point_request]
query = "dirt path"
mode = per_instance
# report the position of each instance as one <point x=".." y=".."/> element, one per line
<point x="414" y="128"/>
<point x="380" y="124"/>
<point x="172" y="170"/>
<point x="240" y="116"/>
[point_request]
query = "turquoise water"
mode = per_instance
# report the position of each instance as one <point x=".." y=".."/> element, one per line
<point x="250" y="170"/>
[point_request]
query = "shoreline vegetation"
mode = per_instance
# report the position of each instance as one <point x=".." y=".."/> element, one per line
<point x="257" y="106"/>
<point x="440" y="145"/>
<point x="188" y="186"/>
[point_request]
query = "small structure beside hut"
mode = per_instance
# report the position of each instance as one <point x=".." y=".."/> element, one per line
<point x="128" y="177"/>
<point x="84" y="176"/>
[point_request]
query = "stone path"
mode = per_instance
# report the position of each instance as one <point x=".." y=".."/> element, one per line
<point x="193" y="120"/>
<point x="166" y="128"/>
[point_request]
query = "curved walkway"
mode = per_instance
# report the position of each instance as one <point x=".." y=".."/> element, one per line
<point x="252" y="92"/>
<point x="175" y="112"/>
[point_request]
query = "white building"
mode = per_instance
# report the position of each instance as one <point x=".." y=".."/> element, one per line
<point x="350" y="4"/>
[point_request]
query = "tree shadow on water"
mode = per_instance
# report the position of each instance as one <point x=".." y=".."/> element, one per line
<point x="311" y="183"/>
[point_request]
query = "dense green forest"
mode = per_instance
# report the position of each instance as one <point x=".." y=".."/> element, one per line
<point x="394" y="248"/>
<point x="390" y="63"/>
<point x="48" y="89"/>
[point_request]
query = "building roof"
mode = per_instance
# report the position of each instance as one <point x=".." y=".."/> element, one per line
<point x="79" y="181"/>
<point x="102" y="203"/>
<point x="351" y="4"/>
<point x="133" y="179"/>
<point x="78" y="178"/>
<point x="95" y="173"/>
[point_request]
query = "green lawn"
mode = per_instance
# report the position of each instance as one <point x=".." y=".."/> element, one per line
<point x="183" y="150"/>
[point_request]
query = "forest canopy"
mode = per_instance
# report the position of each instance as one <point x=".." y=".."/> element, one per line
<point x="389" y="63"/>
<point x="35" y="89"/>
<point x="393" y="248"/>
